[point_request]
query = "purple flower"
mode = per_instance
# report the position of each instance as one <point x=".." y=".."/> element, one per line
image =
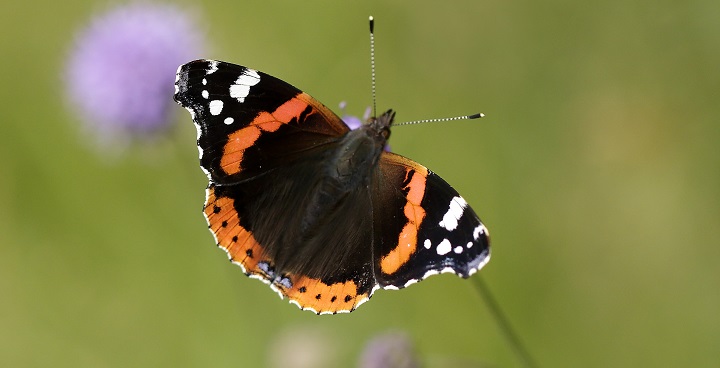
<point x="122" y="67"/>
<point x="390" y="350"/>
<point x="353" y="122"/>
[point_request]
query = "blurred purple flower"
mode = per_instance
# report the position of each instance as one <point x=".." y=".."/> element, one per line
<point x="354" y="122"/>
<point x="121" y="70"/>
<point x="390" y="350"/>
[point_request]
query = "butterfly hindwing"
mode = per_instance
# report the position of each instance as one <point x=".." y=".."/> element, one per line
<point x="260" y="224"/>
<point x="423" y="226"/>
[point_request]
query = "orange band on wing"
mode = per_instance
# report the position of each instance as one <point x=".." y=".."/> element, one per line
<point x="241" y="246"/>
<point x="407" y="241"/>
<point x="224" y="222"/>
<point x="238" y="142"/>
<point x="314" y="294"/>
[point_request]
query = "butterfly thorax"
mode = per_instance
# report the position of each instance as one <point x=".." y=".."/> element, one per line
<point x="358" y="153"/>
<point x="348" y="168"/>
<point x="346" y="176"/>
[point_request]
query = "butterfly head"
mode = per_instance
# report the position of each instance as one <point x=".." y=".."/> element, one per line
<point x="381" y="125"/>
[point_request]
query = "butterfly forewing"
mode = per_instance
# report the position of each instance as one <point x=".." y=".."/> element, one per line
<point x="249" y="122"/>
<point x="423" y="226"/>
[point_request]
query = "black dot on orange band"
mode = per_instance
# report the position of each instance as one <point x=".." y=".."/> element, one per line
<point x="302" y="289"/>
<point x="216" y="209"/>
<point x="249" y="253"/>
<point x="318" y="296"/>
<point x="348" y="298"/>
<point x="224" y="224"/>
<point x="234" y="238"/>
<point x="333" y="299"/>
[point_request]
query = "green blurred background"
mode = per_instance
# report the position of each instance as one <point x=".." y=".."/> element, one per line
<point x="596" y="171"/>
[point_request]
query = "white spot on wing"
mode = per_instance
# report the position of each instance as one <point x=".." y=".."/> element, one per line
<point x="277" y="290"/>
<point x="480" y="265"/>
<point x="198" y="128"/>
<point x="455" y="211"/>
<point x="410" y="282"/>
<point x="480" y="229"/>
<point x="239" y="92"/>
<point x="362" y="301"/>
<point x="213" y="66"/>
<point x="250" y="77"/>
<point x="261" y="278"/>
<point x="430" y="273"/>
<point x="205" y="94"/>
<point x="234" y="262"/>
<point x="216" y="107"/>
<point x="228" y="121"/>
<point x="458" y="249"/>
<point x="311" y="310"/>
<point x="241" y="88"/>
<point x="199" y="132"/>
<point x="444" y="247"/>
<point x="192" y="113"/>
<point x="427" y="244"/>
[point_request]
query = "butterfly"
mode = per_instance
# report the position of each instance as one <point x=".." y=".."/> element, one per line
<point x="319" y="211"/>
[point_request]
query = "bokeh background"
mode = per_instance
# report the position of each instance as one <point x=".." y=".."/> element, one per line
<point x="596" y="171"/>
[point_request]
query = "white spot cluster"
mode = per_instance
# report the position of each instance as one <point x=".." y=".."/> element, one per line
<point x="241" y="88"/>
<point x="445" y="247"/>
<point x="453" y="214"/>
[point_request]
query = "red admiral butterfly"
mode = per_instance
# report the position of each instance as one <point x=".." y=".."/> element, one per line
<point x="318" y="211"/>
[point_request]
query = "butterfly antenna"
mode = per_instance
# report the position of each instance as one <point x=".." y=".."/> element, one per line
<point x="464" y="117"/>
<point x="372" y="63"/>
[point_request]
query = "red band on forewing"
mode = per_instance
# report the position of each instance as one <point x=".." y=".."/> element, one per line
<point x="235" y="148"/>
<point x="291" y="109"/>
<point x="407" y="240"/>
<point x="244" y="138"/>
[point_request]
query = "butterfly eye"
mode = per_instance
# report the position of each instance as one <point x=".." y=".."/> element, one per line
<point x="385" y="133"/>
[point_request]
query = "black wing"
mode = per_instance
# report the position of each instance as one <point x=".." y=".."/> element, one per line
<point x="235" y="108"/>
<point x="439" y="232"/>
